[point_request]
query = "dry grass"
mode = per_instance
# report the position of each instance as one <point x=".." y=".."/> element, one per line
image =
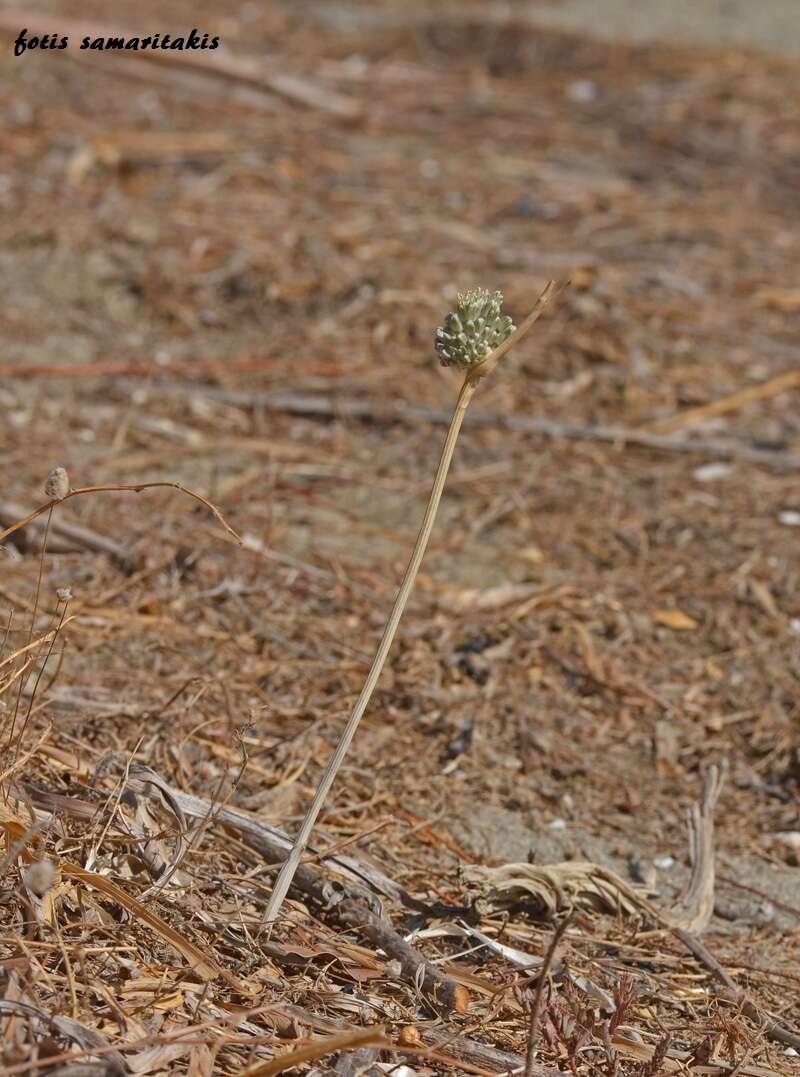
<point x="595" y="624"/>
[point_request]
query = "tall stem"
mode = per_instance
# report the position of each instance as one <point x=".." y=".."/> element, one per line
<point x="287" y="872"/>
<point x="473" y="376"/>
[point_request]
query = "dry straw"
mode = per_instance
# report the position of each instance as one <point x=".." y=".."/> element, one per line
<point x="474" y="337"/>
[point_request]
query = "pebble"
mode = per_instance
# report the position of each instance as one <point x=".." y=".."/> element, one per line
<point x="582" y="91"/>
<point x="712" y="472"/>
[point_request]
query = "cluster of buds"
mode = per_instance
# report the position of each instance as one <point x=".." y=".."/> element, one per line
<point x="473" y="330"/>
<point x="56" y="487"/>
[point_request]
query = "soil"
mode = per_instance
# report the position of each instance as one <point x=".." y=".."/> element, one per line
<point x="596" y="623"/>
<point x="772" y="25"/>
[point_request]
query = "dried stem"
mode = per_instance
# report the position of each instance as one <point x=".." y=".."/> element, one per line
<point x="35" y="610"/>
<point x="127" y="487"/>
<point x="538" y="998"/>
<point x="471" y="380"/>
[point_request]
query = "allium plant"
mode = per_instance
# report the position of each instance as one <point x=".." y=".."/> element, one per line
<point x="474" y="329"/>
<point x="474" y="338"/>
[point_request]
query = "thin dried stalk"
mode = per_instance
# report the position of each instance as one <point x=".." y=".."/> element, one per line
<point x="538" y="1000"/>
<point x="471" y="380"/>
<point x="127" y="487"/>
<point x="346" y="1041"/>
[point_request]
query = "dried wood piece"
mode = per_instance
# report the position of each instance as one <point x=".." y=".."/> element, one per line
<point x="348" y="903"/>
<point x="319" y="406"/>
<point x="557" y="888"/>
<point x="445" y="994"/>
<point x="10" y="512"/>
<point x="694" y="910"/>
<point x="268" y="840"/>
<point x="780" y="384"/>
<point x="733" y="993"/>
<point x="480" y="1054"/>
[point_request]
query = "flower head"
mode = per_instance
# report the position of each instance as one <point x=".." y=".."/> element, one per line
<point x="57" y="485"/>
<point x="474" y="329"/>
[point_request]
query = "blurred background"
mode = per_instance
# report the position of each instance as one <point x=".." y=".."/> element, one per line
<point x="226" y="269"/>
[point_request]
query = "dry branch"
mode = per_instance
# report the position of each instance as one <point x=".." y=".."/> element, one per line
<point x="131" y="487"/>
<point x="539" y="995"/>
<point x="780" y="384"/>
<point x="557" y="888"/>
<point x="11" y="512"/>
<point x="350" y="904"/>
<point x="374" y="411"/>
<point x="271" y="842"/>
<point x="444" y="994"/>
<point x="694" y="910"/>
<point x="316" y="1049"/>
<point x="733" y="993"/>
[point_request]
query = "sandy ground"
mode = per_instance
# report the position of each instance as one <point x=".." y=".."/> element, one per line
<point x="772" y="25"/>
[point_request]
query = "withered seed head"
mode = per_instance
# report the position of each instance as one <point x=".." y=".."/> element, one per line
<point x="57" y="486"/>
<point x="39" y="876"/>
<point x="474" y="329"/>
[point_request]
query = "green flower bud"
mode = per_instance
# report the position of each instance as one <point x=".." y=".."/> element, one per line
<point x="473" y="330"/>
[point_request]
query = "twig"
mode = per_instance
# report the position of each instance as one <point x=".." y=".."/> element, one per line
<point x="349" y="903"/>
<point x="138" y="368"/>
<point x="767" y="389"/>
<point x="133" y="487"/>
<point x="694" y="910"/>
<point x="317" y="1049"/>
<point x="22" y="680"/>
<point x="468" y="388"/>
<point x="369" y="410"/>
<point x="538" y="998"/>
<point x="733" y="993"/>
<point x="445" y="995"/>
<point x="271" y="842"/>
<point x="10" y="512"/>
